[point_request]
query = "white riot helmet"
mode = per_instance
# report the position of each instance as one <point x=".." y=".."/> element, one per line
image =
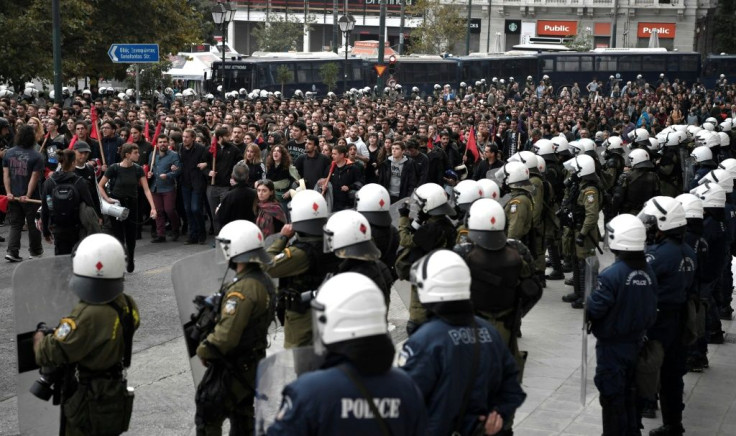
<point x="638" y="135"/>
<point x="725" y="139"/>
<point x="639" y="158"/>
<point x="692" y="131"/>
<point x="441" y="276"/>
<point x="701" y="154"/>
<point x="711" y="194"/>
<point x="373" y="201"/>
<point x="560" y="142"/>
<point x="582" y="165"/>
<point x="675" y="137"/>
<point x="544" y="148"/>
<point x="432" y="200"/>
<point x="712" y="140"/>
<point x="721" y="177"/>
<point x="587" y="144"/>
<point x="241" y="241"/>
<point x="626" y="233"/>
<point x="664" y="213"/>
<point x="726" y="125"/>
<point x="653" y="144"/>
<point x="348" y="234"/>
<point x="576" y="148"/>
<point x="486" y="223"/>
<point x="730" y="165"/>
<point x="541" y="166"/>
<point x="490" y="189"/>
<point x="528" y="158"/>
<point x="347" y="306"/>
<point x="711" y="127"/>
<point x="98" y="263"/>
<point x="692" y="204"/>
<point x="513" y="172"/>
<point x="309" y="212"/>
<point x="466" y="193"/>
<point x="613" y="143"/>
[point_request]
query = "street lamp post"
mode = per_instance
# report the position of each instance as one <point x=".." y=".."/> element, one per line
<point x="347" y="24"/>
<point x="222" y="15"/>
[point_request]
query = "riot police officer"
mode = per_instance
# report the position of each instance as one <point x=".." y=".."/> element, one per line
<point x="301" y="264"/>
<point x="542" y="207"/>
<point x="504" y="286"/>
<point x="466" y="193"/>
<point x="621" y="308"/>
<point x="669" y="167"/>
<point x="694" y="214"/>
<point x="365" y="395"/>
<point x="514" y="179"/>
<point x="432" y="229"/>
<point x="635" y="187"/>
<point x="674" y="264"/>
<point x="238" y="340"/>
<point x="373" y="201"/>
<point x="91" y="350"/>
<point x="703" y="162"/>
<point x="614" y="164"/>
<point x="466" y="374"/>
<point x="583" y="222"/>
<point x="555" y="175"/>
<point x="639" y="139"/>
<point x="347" y="234"/>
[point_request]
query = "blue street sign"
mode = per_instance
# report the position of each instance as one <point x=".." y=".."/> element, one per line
<point x="133" y="53"/>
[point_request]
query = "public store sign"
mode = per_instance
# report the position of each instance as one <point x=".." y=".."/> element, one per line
<point x="664" y="30"/>
<point x="556" y="28"/>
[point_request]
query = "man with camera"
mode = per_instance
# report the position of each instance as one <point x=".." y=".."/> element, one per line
<point x="85" y="357"/>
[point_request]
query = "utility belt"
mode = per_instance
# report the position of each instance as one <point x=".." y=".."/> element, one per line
<point x="296" y="301"/>
<point x="102" y="403"/>
<point x="84" y="375"/>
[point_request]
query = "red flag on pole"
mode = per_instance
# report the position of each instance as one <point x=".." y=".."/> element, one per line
<point x="472" y="146"/>
<point x="430" y="144"/>
<point x="213" y="147"/>
<point x="130" y="138"/>
<point x="3" y="203"/>
<point x="72" y="142"/>
<point x="145" y="132"/>
<point x="156" y="133"/>
<point x="94" y="134"/>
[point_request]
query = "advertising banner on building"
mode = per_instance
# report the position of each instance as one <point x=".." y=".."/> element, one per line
<point x="664" y="30"/>
<point x="556" y="28"/>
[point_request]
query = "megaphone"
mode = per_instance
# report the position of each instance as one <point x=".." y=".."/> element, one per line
<point x="114" y="210"/>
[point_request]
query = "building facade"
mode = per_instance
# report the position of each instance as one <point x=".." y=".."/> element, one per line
<point x="497" y="24"/>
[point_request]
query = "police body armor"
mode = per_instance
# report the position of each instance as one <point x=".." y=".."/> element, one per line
<point x="639" y="187"/>
<point x="670" y="173"/>
<point x="320" y="264"/>
<point x="374" y="270"/>
<point x="556" y="177"/>
<point x="495" y="275"/>
<point x="615" y="164"/>
<point x="387" y="241"/>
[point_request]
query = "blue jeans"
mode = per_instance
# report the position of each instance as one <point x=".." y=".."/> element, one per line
<point x="192" y="200"/>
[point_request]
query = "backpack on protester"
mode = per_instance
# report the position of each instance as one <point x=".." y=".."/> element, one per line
<point x="64" y="204"/>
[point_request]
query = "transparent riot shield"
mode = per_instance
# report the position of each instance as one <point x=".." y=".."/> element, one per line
<point x="591" y="277"/>
<point x="199" y="274"/>
<point x="274" y="373"/>
<point x="41" y="293"/>
<point x="688" y="168"/>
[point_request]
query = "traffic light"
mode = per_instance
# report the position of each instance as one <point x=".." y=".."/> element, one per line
<point x="392" y="65"/>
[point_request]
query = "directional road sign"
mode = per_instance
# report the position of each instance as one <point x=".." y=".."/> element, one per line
<point x="133" y="53"/>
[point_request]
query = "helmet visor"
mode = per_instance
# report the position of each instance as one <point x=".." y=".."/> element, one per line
<point x="319" y="321"/>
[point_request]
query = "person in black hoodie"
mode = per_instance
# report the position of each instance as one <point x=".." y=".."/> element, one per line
<point x="64" y="228"/>
<point x="240" y="202"/>
<point x="227" y="155"/>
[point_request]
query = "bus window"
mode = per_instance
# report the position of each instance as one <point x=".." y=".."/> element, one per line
<point x="304" y="73"/>
<point x="688" y="62"/>
<point x="605" y="64"/>
<point x="357" y="71"/>
<point x="568" y="63"/>
<point x="586" y="63"/>
<point x="274" y="68"/>
<point x="653" y="63"/>
<point x="548" y="65"/>
<point x="629" y="64"/>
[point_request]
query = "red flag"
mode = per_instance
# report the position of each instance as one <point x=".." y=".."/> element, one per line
<point x="130" y="138"/>
<point x="3" y="203"/>
<point x="472" y="147"/>
<point x="145" y="132"/>
<point x="213" y="147"/>
<point x="93" y="134"/>
<point x="156" y="133"/>
<point x="72" y="142"/>
<point x="430" y="144"/>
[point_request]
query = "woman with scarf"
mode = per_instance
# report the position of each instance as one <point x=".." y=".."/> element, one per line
<point x="270" y="216"/>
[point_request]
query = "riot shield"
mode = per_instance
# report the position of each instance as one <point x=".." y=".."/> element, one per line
<point x="274" y="373"/>
<point x="591" y="277"/>
<point x="40" y="293"/>
<point x="198" y="274"/>
<point x="688" y="168"/>
<point x="393" y="210"/>
<point x="403" y="288"/>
